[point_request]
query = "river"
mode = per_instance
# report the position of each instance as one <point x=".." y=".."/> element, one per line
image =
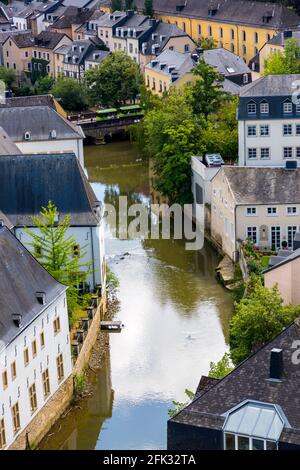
<point x="176" y="321"/>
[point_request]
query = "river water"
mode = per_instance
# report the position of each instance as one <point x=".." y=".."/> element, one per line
<point x="176" y="321"/>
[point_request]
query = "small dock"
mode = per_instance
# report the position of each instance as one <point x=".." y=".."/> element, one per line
<point x="112" y="325"/>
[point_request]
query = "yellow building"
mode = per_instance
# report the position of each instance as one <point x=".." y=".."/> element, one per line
<point x="239" y="26"/>
<point x="276" y="44"/>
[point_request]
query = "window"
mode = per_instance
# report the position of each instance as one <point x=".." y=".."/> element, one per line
<point x="232" y="47"/>
<point x="264" y="130"/>
<point x="232" y="34"/>
<point x="60" y="367"/>
<point x="26" y="357"/>
<point x="183" y="26"/>
<point x="42" y="338"/>
<point x="187" y="48"/>
<point x="76" y="248"/>
<point x="251" y="131"/>
<point x="252" y="234"/>
<point x="264" y="108"/>
<point x="235" y="442"/>
<point x="297" y="152"/>
<point x="2" y="434"/>
<point x="287" y="129"/>
<point x="255" y="37"/>
<point x="209" y="30"/>
<point x="13" y="370"/>
<point x="264" y="153"/>
<point x="287" y="152"/>
<point x="199" y="29"/>
<point x="271" y="210"/>
<point x="251" y="107"/>
<point x="243" y="443"/>
<point x="34" y="348"/>
<point x="244" y="35"/>
<point x="292" y="210"/>
<point x="27" y="135"/>
<point x="46" y="383"/>
<point x="275" y="237"/>
<point x="221" y="32"/>
<point x="4" y="379"/>
<point x="244" y="49"/>
<point x="298" y="106"/>
<point x="297" y="129"/>
<point x="56" y="325"/>
<point x="245" y="78"/>
<point x="268" y="37"/>
<point x="291" y="231"/>
<point x="287" y="107"/>
<point x="252" y="153"/>
<point x="130" y="48"/>
<point x="251" y="211"/>
<point x="16" y="418"/>
<point x="32" y="398"/>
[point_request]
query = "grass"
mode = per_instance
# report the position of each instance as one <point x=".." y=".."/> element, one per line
<point x="265" y="261"/>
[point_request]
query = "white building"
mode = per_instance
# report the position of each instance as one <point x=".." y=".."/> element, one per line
<point x="41" y="129"/>
<point x="29" y="182"/>
<point x="269" y="122"/>
<point x="35" y="356"/>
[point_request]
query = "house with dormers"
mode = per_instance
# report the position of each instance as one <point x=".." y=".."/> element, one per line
<point x="255" y="407"/>
<point x="35" y="351"/>
<point x="269" y="122"/>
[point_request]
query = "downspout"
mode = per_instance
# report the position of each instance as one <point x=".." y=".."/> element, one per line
<point x="92" y="241"/>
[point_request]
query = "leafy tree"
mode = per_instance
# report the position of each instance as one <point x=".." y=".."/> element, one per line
<point x="130" y="5"/>
<point x="171" y="138"/>
<point x="115" y="81"/>
<point x="8" y="76"/>
<point x="207" y="43"/>
<point x="258" y="318"/>
<point x="220" y="369"/>
<point x="44" y="85"/>
<point x="148" y="8"/>
<point x="206" y="94"/>
<point x="180" y="405"/>
<point x="72" y="93"/>
<point x="117" y="5"/>
<point x="284" y="62"/>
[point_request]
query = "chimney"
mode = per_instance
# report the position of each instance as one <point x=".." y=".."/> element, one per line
<point x="41" y="297"/>
<point x="17" y="319"/>
<point x="276" y="364"/>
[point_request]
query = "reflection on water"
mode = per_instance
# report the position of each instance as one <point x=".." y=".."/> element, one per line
<point x="176" y="321"/>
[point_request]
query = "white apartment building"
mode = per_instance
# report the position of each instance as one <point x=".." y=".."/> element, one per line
<point x="269" y="122"/>
<point x="35" y="355"/>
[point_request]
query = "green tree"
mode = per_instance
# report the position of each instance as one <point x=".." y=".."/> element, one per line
<point x="72" y="93"/>
<point x="148" y="8"/>
<point x="115" y="81"/>
<point x="117" y="5"/>
<point x="284" y="62"/>
<point x="130" y="5"/>
<point x="220" y="369"/>
<point x="206" y="94"/>
<point x="171" y="138"/>
<point x="178" y="406"/>
<point x="44" y="85"/>
<point x="207" y="43"/>
<point x="8" y="76"/>
<point x="258" y="318"/>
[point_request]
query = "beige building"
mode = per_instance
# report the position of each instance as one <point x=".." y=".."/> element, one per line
<point x="262" y="204"/>
<point x="276" y="44"/>
<point x="286" y="275"/>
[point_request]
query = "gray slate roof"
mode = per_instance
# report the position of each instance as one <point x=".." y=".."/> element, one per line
<point x="29" y="182"/>
<point x="271" y="85"/>
<point x="21" y="276"/>
<point x="280" y="38"/>
<point x="241" y="12"/>
<point x="97" y="56"/>
<point x="227" y="63"/>
<point x="25" y="101"/>
<point x="249" y="381"/>
<point x="287" y="259"/>
<point x="7" y="146"/>
<point x="263" y="185"/>
<point x="72" y="15"/>
<point x="40" y="121"/>
<point x="182" y="63"/>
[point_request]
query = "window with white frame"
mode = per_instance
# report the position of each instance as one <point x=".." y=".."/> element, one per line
<point x="251" y="107"/>
<point x="287" y="129"/>
<point x="265" y="153"/>
<point x="292" y="210"/>
<point x="287" y="107"/>
<point x="252" y="234"/>
<point x="271" y="210"/>
<point x="252" y="153"/>
<point x="276" y="236"/>
<point x="298" y="106"/>
<point x="297" y="129"/>
<point x="251" y="131"/>
<point x="287" y="152"/>
<point x="264" y="130"/>
<point x="245" y="78"/>
<point x="297" y="152"/>
<point x="291" y="232"/>
<point x="251" y="211"/>
<point x="236" y="442"/>
<point x="264" y="107"/>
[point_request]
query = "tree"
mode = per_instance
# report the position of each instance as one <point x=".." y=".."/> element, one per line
<point x="115" y="81"/>
<point x="44" y="85"/>
<point x="206" y="94"/>
<point x="258" y="318"/>
<point x="8" y="76"/>
<point x="284" y="62"/>
<point x="72" y="93"/>
<point x="220" y="369"/>
<point x="130" y="5"/>
<point x="148" y="8"/>
<point x="207" y="43"/>
<point x="180" y="405"/>
<point x="117" y="5"/>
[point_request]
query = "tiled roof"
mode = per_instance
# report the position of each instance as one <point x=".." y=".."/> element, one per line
<point x="271" y="85"/>
<point x="7" y="146"/>
<point x="72" y="16"/>
<point x="227" y="63"/>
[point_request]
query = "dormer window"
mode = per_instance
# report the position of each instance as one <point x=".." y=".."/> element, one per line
<point x="287" y="107"/>
<point x="27" y="135"/>
<point x="264" y="107"/>
<point x="245" y="78"/>
<point x="251" y="107"/>
<point x="53" y="134"/>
